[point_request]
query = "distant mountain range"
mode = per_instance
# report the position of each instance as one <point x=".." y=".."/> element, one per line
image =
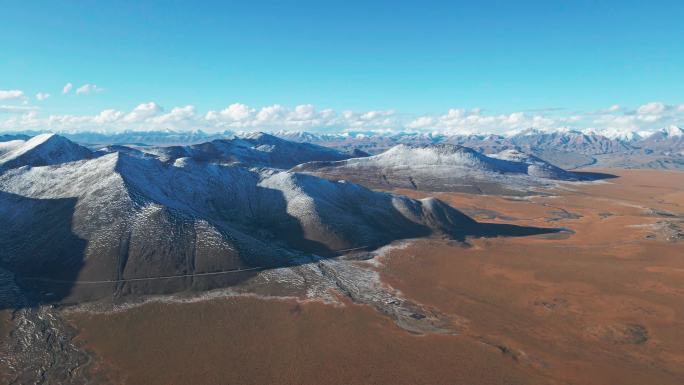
<point x="253" y="149"/>
<point x="569" y="149"/>
<point x="566" y="148"/>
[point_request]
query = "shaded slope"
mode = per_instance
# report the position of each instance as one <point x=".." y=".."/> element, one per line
<point x="126" y="235"/>
<point x="36" y="239"/>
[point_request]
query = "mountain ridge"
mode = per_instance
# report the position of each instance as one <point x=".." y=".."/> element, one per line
<point x="444" y="167"/>
<point x="119" y="218"/>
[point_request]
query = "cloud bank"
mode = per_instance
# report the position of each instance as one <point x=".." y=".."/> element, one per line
<point x="614" y="121"/>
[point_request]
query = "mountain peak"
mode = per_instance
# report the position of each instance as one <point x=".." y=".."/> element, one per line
<point x="43" y="150"/>
<point x="257" y="135"/>
<point x="672" y="131"/>
<point x="425" y="155"/>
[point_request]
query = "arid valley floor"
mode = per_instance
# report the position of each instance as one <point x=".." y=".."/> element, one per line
<point x="602" y="303"/>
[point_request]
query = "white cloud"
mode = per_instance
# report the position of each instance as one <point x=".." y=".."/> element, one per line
<point x="373" y="120"/>
<point x="42" y="96"/>
<point x="241" y="116"/>
<point x="143" y="111"/>
<point x="615" y="121"/>
<point x="88" y="88"/>
<point x="421" y="122"/>
<point x="234" y="113"/>
<point x="270" y="114"/>
<point x="176" y="115"/>
<point x="462" y="121"/>
<point x="303" y="113"/>
<point x="67" y="88"/>
<point x="372" y="115"/>
<point x="108" y="116"/>
<point x="652" y="108"/>
<point x="11" y="95"/>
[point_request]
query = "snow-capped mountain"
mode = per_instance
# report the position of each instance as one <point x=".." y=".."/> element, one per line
<point x="453" y="156"/>
<point x="119" y="217"/>
<point x="535" y="166"/>
<point x="41" y="150"/>
<point x="570" y="141"/>
<point x="667" y="141"/>
<point x="442" y="167"/>
<point x="309" y="137"/>
<point x="673" y="131"/>
<point x="554" y="143"/>
<point x="254" y="149"/>
<point x="567" y="148"/>
<point x="487" y="144"/>
<point x="670" y="133"/>
<point x="627" y="136"/>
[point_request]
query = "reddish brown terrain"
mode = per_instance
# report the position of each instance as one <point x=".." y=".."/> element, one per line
<point x="603" y="305"/>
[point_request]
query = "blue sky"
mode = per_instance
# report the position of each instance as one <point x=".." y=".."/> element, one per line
<point x="547" y="58"/>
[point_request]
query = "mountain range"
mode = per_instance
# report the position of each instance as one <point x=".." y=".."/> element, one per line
<point x="663" y="148"/>
<point x="253" y="150"/>
<point x="567" y="148"/>
<point x="79" y="224"/>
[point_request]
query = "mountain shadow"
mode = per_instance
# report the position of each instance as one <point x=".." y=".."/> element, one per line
<point x="591" y="176"/>
<point x="492" y="230"/>
<point x="36" y="241"/>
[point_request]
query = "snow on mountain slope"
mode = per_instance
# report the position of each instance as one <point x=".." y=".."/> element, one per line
<point x="254" y="150"/>
<point x="10" y="145"/>
<point x="123" y="232"/>
<point x="668" y="139"/>
<point x="566" y="148"/>
<point x="122" y="217"/>
<point x="623" y="135"/>
<point x="441" y="167"/>
<point x="571" y="141"/>
<point x="41" y="150"/>
<point x="673" y="131"/>
<point x="440" y="155"/>
<point x="486" y="144"/>
<point x="535" y="166"/>
<point x="663" y="148"/>
<point x="342" y="215"/>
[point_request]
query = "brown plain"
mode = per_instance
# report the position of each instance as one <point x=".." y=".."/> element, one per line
<point x="602" y="306"/>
